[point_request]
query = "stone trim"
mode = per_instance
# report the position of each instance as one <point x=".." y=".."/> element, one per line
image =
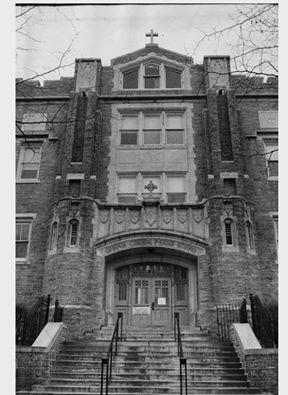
<point x="149" y="240"/>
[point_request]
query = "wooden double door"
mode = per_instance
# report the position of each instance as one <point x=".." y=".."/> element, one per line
<point x="151" y="301"/>
<point x="149" y="294"/>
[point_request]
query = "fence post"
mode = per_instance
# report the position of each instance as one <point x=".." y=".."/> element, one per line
<point x="47" y="309"/>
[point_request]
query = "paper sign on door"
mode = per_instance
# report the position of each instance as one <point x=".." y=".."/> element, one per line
<point x="161" y="301"/>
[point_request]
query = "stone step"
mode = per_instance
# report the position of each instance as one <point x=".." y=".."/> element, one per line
<point x="193" y="372"/>
<point x="145" y="381"/>
<point x="192" y="391"/>
<point x="128" y="389"/>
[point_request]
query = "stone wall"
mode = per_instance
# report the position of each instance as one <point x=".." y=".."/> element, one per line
<point x="260" y="365"/>
<point x="34" y="363"/>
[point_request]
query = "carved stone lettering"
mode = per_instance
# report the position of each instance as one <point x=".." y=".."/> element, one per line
<point x="151" y="156"/>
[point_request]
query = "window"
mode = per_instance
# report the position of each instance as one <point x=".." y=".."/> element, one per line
<point x="173" y="78"/>
<point x="152" y="76"/>
<point x="23" y="235"/>
<point x="127" y="190"/>
<point x="73" y="232"/>
<point x="34" y="122"/>
<point x="29" y="163"/>
<point x="229" y="186"/>
<point x="174" y="129"/>
<point x="130" y="79"/>
<point x="129" y="130"/>
<point x="271" y="150"/>
<point x="249" y="235"/>
<point x="152" y="129"/>
<point x="228" y="231"/>
<point x="22" y="238"/>
<point x="53" y="235"/>
<point x="175" y="189"/>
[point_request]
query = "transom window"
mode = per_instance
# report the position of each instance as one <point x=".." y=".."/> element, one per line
<point x="29" y="163"/>
<point x="144" y="128"/>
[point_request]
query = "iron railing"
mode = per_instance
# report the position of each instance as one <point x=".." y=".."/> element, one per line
<point x="264" y="322"/>
<point x="107" y="362"/>
<point x="58" y="312"/>
<point x="29" y="324"/>
<point x="182" y="360"/>
<point x="228" y="314"/>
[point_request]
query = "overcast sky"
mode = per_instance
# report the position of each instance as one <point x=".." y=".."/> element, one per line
<point x="105" y="32"/>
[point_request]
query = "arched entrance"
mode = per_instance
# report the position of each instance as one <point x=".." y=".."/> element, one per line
<point x="149" y="278"/>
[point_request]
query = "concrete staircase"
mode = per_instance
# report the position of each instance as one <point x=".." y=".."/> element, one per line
<point x="147" y="363"/>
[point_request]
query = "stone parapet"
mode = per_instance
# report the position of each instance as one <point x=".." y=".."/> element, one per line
<point x="35" y="362"/>
<point x="261" y="365"/>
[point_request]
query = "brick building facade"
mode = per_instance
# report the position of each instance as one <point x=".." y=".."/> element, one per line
<point x="147" y="187"/>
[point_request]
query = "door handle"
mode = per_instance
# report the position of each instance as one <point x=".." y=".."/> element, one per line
<point x="152" y="306"/>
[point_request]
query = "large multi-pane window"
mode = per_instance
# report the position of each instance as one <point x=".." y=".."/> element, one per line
<point x="29" y="162"/>
<point x="146" y="128"/>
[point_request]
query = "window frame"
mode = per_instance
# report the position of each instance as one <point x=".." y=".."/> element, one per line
<point x="53" y="240"/>
<point x="142" y="76"/>
<point x="21" y="162"/>
<point x="161" y="128"/>
<point x="25" y="218"/>
<point x="175" y="70"/>
<point x="268" y="156"/>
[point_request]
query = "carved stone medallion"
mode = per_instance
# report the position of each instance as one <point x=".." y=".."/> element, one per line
<point x="167" y="216"/>
<point x="197" y="215"/>
<point x="151" y="215"/>
<point x="134" y="216"/>
<point x="119" y="216"/>
<point x="182" y="216"/>
<point x="104" y="216"/>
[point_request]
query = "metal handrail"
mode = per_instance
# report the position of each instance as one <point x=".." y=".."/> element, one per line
<point x="182" y="360"/>
<point x="109" y="359"/>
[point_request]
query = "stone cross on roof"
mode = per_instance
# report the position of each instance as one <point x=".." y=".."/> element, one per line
<point x="151" y="35"/>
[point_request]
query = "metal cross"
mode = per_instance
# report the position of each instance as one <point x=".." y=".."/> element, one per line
<point x="150" y="187"/>
<point x="151" y="34"/>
